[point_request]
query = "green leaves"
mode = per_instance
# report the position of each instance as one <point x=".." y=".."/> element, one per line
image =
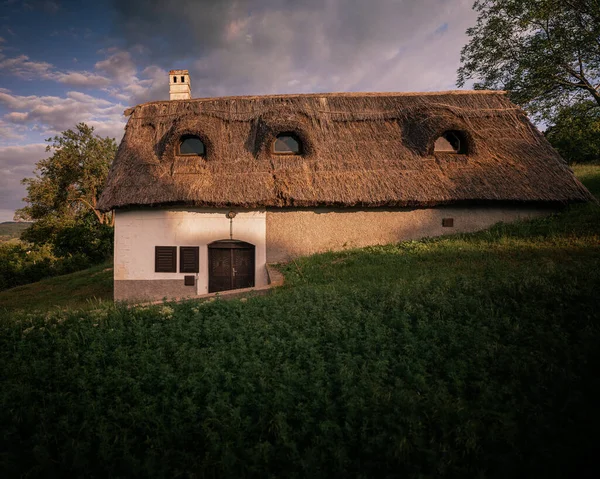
<point x="546" y="53"/>
<point x="68" y="183"/>
<point x="575" y="133"/>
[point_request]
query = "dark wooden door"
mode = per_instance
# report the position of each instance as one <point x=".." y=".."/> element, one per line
<point x="243" y="268"/>
<point x="230" y="265"/>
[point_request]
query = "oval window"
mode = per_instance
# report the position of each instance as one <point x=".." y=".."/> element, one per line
<point x="191" y="145"/>
<point x="287" y="144"/>
<point x="451" y="142"/>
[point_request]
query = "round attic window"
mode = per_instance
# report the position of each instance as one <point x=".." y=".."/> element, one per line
<point x="451" y="141"/>
<point x="287" y="144"/>
<point x="191" y="146"/>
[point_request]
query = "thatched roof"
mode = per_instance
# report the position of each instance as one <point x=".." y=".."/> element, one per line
<point x="360" y="149"/>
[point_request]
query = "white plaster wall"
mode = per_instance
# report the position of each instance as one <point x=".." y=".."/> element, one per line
<point x="137" y="232"/>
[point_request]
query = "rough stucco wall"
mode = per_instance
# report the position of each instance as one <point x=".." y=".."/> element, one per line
<point x="152" y="290"/>
<point x="294" y="232"/>
<point x="137" y="232"/>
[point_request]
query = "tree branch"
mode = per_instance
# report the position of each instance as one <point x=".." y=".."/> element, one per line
<point x="99" y="215"/>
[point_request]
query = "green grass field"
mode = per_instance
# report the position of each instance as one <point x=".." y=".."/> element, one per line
<point x="83" y="289"/>
<point x="464" y="356"/>
<point x="11" y="230"/>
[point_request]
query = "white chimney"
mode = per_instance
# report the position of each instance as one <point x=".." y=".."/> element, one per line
<point x="179" y="85"/>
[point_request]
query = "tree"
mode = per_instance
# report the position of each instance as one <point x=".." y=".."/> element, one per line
<point x="68" y="183"/>
<point x="575" y="133"/>
<point x="546" y="53"/>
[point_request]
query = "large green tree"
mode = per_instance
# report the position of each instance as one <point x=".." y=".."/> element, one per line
<point x="575" y="133"/>
<point x="67" y="184"/>
<point x="546" y="53"/>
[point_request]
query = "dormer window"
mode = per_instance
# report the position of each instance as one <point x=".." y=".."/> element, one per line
<point x="191" y="146"/>
<point x="287" y="144"/>
<point x="451" y="141"/>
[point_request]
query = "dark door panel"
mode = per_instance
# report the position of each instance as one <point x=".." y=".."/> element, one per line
<point x="230" y="265"/>
<point x="219" y="274"/>
<point x="243" y="264"/>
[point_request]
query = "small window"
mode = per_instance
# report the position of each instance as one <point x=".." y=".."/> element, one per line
<point x="182" y="79"/>
<point x="451" y="142"/>
<point x="191" y="145"/>
<point x="189" y="259"/>
<point x="165" y="259"/>
<point x="287" y="144"/>
<point x="174" y="79"/>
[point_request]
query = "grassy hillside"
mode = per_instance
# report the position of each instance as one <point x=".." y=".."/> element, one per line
<point x="84" y="288"/>
<point x="464" y="356"/>
<point x="11" y="230"/>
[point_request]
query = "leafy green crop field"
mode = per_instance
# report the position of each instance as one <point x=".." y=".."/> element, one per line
<point x="464" y="356"/>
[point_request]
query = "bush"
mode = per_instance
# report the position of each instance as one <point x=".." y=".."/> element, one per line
<point x="85" y="238"/>
<point x="22" y="263"/>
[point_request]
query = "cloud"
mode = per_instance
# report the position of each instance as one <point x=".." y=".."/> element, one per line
<point x="54" y="114"/>
<point x="10" y="132"/>
<point x="45" y="5"/>
<point x="81" y="79"/>
<point x="118" y="66"/>
<point x="23" y="67"/>
<point x="242" y="47"/>
<point x="16" y="163"/>
<point x="27" y="69"/>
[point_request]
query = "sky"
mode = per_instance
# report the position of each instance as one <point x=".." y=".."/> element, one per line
<point x="63" y="62"/>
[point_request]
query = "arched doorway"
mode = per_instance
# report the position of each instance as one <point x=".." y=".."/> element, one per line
<point x="230" y="265"/>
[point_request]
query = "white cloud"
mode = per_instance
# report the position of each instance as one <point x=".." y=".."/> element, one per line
<point x="23" y="67"/>
<point x="81" y="79"/>
<point x="27" y="69"/>
<point x="54" y="114"/>
<point x="10" y="132"/>
<point x="16" y="163"/>
<point x="116" y="74"/>
<point x="118" y="66"/>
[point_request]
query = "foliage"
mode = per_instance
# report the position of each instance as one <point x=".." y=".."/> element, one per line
<point x="62" y="197"/>
<point x="462" y="356"/>
<point x="68" y="183"/>
<point x="546" y="53"/>
<point x="575" y="133"/>
<point x="23" y="263"/>
<point x="86" y="237"/>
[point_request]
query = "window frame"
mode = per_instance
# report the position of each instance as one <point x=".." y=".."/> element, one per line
<point x="290" y="134"/>
<point x="182" y="138"/>
<point x="173" y="267"/>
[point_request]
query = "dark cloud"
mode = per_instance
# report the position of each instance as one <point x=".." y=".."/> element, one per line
<point x="239" y="46"/>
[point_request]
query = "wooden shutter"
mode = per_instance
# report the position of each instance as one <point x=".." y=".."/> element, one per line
<point x="189" y="259"/>
<point x="165" y="259"/>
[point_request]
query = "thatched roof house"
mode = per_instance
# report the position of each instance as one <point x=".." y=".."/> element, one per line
<point x="360" y="149"/>
<point x="356" y="169"/>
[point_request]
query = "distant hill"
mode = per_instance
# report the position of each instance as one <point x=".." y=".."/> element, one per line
<point x="12" y="229"/>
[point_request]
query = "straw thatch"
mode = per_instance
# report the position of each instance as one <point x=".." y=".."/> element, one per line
<point x="359" y="149"/>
